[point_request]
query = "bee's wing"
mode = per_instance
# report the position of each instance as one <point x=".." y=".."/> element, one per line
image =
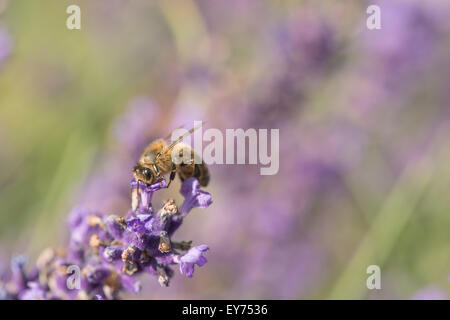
<point x="151" y="152"/>
<point x="174" y="143"/>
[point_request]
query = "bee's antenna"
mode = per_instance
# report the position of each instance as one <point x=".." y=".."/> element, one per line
<point x="170" y="135"/>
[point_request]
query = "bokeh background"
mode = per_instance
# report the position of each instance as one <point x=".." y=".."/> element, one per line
<point x="364" y="128"/>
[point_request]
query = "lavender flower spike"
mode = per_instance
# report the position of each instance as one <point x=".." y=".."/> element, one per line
<point x="111" y="251"/>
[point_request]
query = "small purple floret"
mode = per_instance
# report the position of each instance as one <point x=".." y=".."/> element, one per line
<point x="193" y="196"/>
<point x="192" y="257"/>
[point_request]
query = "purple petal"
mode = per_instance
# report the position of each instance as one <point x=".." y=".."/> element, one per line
<point x="192" y="257"/>
<point x="193" y="196"/>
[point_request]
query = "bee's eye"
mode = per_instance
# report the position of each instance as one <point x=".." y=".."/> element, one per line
<point x="147" y="173"/>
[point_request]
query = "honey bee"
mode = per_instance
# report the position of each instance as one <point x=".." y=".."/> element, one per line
<point x="156" y="160"/>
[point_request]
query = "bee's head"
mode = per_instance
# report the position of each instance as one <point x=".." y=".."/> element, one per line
<point x="143" y="174"/>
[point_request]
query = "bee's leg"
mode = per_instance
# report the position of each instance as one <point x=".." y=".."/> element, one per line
<point x="172" y="174"/>
<point x="160" y="179"/>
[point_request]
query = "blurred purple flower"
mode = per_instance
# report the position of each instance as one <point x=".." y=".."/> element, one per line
<point x="395" y="54"/>
<point x="301" y="48"/>
<point x="406" y="40"/>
